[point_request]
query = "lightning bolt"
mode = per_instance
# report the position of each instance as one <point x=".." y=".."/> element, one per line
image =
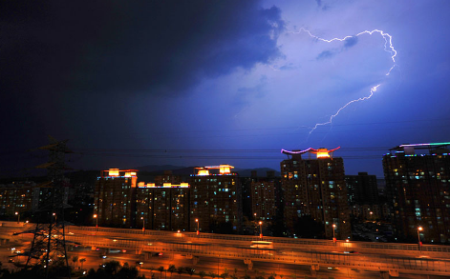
<point x="372" y="90"/>
<point x="388" y="47"/>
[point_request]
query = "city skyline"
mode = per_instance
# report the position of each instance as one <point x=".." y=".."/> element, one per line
<point x="200" y="83"/>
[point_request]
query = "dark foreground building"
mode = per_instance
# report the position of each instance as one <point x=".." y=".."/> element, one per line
<point x="315" y="188"/>
<point x="418" y="190"/>
<point x="122" y="202"/>
<point x="215" y="202"/>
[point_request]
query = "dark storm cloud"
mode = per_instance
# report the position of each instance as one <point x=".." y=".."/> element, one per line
<point x="288" y="66"/>
<point x="325" y="55"/>
<point x="245" y="95"/>
<point x="121" y="46"/>
<point x="350" y="42"/>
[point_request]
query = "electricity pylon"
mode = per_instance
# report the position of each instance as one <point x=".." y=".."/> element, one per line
<point x="49" y="245"/>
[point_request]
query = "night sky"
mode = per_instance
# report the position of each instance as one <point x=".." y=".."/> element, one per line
<point x="135" y="83"/>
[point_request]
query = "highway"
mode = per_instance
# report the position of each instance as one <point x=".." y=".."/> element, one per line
<point x="210" y="252"/>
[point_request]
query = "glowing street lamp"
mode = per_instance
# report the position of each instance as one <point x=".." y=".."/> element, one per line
<point x="96" y="220"/>
<point x="143" y="224"/>
<point x="18" y="217"/>
<point x="260" y="229"/>
<point x="334" y="233"/>
<point x="419" y="229"/>
<point x="198" y="226"/>
<point x="256" y="223"/>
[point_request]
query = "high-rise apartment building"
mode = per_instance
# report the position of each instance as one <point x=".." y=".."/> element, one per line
<point x="18" y="197"/>
<point x="215" y="198"/>
<point x="114" y="197"/>
<point x="168" y="177"/>
<point x="263" y="199"/>
<point x="362" y="188"/>
<point x="121" y="201"/>
<point x="418" y="190"/>
<point x="315" y="188"/>
<point x="163" y="207"/>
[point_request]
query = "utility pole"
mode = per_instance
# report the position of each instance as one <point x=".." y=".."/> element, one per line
<point x="49" y="244"/>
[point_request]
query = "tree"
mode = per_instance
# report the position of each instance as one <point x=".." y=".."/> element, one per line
<point x="190" y="271"/>
<point x="246" y="276"/>
<point x="307" y="227"/>
<point x="127" y="272"/>
<point x="82" y="261"/>
<point x="112" y="267"/>
<point x="161" y="269"/>
<point x="75" y="259"/>
<point x="224" y="275"/>
<point x="180" y="270"/>
<point x="172" y="269"/>
<point x="212" y="275"/>
<point x="151" y="270"/>
<point x="234" y="275"/>
<point x="202" y="274"/>
<point x="108" y="272"/>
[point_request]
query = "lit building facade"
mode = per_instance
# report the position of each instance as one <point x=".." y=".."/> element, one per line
<point x="163" y="207"/>
<point x="418" y="190"/>
<point x="114" y="201"/>
<point x="263" y="199"/>
<point x="121" y="201"/>
<point x="362" y="188"/>
<point x="18" y="197"/>
<point x="168" y="177"/>
<point x="315" y="188"/>
<point x="215" y="198"/>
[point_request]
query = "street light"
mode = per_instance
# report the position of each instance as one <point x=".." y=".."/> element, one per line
<point x="18" y="217"/>
<point x="198" y="226"/>
<point x="96" y="220"/>
<point x="260" y="229"/>
<point x="334" y="236"/>
<point x="256" y="224"/>
<point x="419" y="229"/>
<point x="143" y="224"/>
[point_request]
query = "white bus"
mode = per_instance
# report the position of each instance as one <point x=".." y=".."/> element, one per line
<point x="262" y="244"/>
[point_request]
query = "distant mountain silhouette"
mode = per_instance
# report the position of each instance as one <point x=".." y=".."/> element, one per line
<point x="146" y="173"/>
<point x="260" y="172"/>
<point x="177" y="170"/>
<point x="157" y="168"/>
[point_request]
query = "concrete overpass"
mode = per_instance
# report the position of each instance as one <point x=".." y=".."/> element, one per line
<point x="389" y="259"/>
